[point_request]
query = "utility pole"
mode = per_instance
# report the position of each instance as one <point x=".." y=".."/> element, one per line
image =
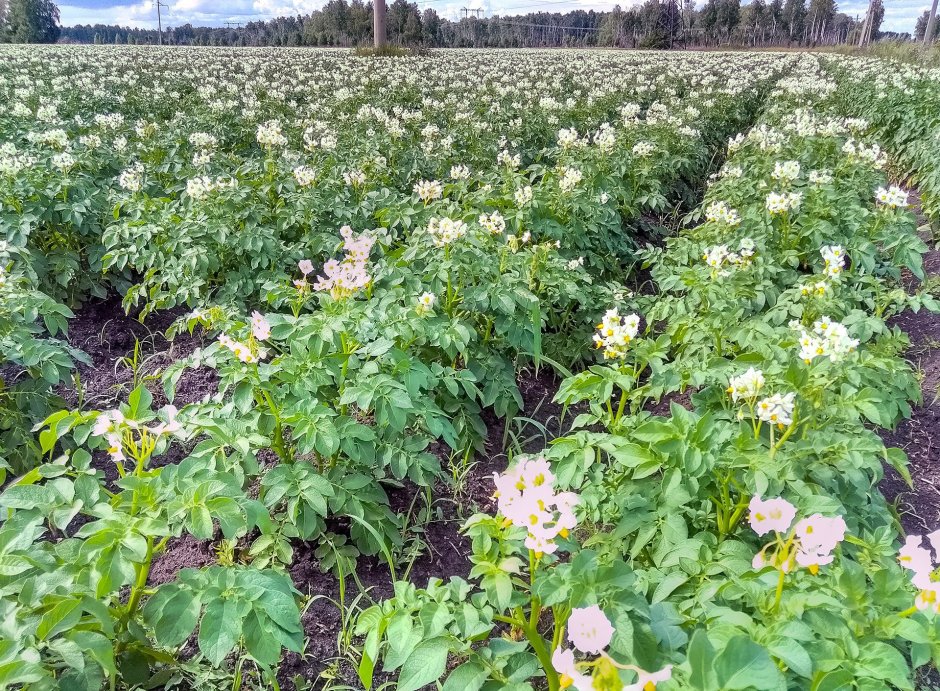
<point x="931" y="23"/>
<point x="160" y="22"/>
<point x="378" y="23"/>
<point x="863" y="35"/>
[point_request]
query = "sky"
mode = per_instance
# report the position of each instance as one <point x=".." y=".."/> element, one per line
<point x="900" y="15"/>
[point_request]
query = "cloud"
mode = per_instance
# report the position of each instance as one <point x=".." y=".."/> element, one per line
<point x="144" y="13"/>
<point x="284" y="8"/>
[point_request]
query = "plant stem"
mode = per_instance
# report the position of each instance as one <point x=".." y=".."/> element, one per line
<point x="779" y="593"/>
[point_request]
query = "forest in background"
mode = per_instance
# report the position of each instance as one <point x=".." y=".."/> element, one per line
<point x="654" y="24"/>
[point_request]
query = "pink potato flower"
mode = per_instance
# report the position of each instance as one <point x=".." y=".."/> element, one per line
<point x="589" y="629"/>
<point x="770" y="514"/>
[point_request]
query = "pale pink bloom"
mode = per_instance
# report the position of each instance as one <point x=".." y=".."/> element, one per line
<point x="914" y="556"/>
<point x="564" y="664"/>
<point x="820" y="533"/>
<point x="115" y="447"/>
<point x="107" y="422"/>
<point x="813" y="556"/>
<point x="759" y="561"/>
<point x="770" y="514"/>
<point x="305" y="266"/>
<point x="539" y="544"/>
<point x="260" y="328"/>
<point x="589" y="629"/>
<point x="646" y="681"/>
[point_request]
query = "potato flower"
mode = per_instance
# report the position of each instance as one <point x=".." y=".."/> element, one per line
<point x="590" y="632"/>
<point x="834" y="258"/>
<point x="923" y="565"/>
<point x="526" y="498"/>
<point x="428" y="190"/>
<point x="892" y="198"/>
<point x="444" y="231"/>
<point x="615" y="333"/>
<point x="720" y="212"/>
<point x="809" y="544"/>
<point x="828" y="339"/>
<point x="746" y="386"/>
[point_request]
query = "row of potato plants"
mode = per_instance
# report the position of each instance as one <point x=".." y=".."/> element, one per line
<point x="376" y="347"/>
<point x="740" y="541"/>
<point x="903" y="105"/>
<point x="189" y="178"/>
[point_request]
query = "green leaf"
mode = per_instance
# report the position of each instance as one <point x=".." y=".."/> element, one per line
<point x="883" y="661"/>
<point x="61" y="617"/>
<point x="27" y="497"/>
<point x="743" y="664"/>
<point x="426" y="664"/>
<point x="470" y="676"/>
<point x="219" y="630"/>
<point x="701" y="655"/>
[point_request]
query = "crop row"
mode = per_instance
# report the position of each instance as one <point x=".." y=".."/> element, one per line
<point x="740" y="542"/>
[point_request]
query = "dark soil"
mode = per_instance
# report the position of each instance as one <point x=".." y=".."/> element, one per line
<point x="919" y="507"/>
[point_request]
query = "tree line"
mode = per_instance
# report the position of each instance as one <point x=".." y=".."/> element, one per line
<point x="29" y="21"/>
<point x="654" y="24"/>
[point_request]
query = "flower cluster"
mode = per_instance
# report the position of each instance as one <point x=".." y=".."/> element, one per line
<point x="720" y="212"/>
<point x="125" y="436"/>
<point x="428" y="190"/>
<point x="269" y="135"/>
<point x="834" y="257"/>
<point x="445" y="230"/>
<point x="527" y="499"/>
<point x="782" y="202"/>
<point x="892" y="198"/>
<point x="820" y="177"/>
<point x="809" y="544"/>
<point x="570" y="177"/>
<point x="132" y="178"/>
<point x="777" y="409"/>
<point x="202" y="186"/>
<point x="643" y="149"/>
<point x="590" y="632"/>
<point x="719" y="255"/>
<point x="616" y="333"/>
<point x="343" y="278"/>
<point x="746" y="386"/>
<point x="829" y="339"/>
<point x="493" y="223"/>
<point x="249" y="353"/>
<point x="914" y="557"/>
<point x="459" y="172"/>
<point x="523" y="195"/>
<point x="871" y="155"/>
<point x="305" y="176"/>
<point x="786" y="171"/>
<point x="354" y="178"/>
